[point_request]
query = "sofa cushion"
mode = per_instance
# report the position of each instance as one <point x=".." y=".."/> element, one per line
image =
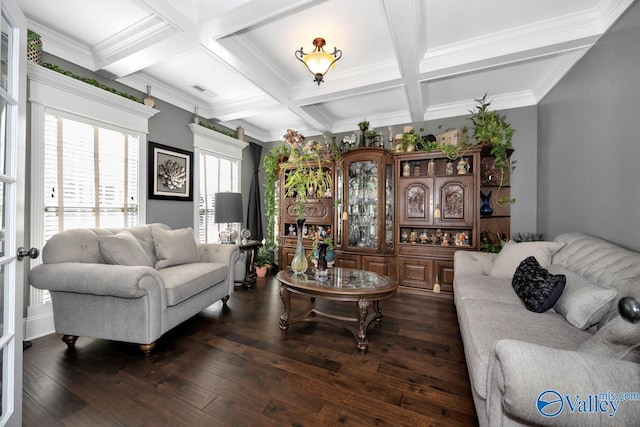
<point x="483" y="323"/>
<point x="537" y="288"/>
<point x="512" y="254"/>
<point x="186" y="280"/>
<point x="175" y="247"/>
<point x="484" y="287"/>
<point x="582" y="303"/>
<point x="123" y="249"/>
<point x="615" y="339"/>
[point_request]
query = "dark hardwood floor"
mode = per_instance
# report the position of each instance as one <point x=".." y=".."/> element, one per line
<point x="233" y="367"/>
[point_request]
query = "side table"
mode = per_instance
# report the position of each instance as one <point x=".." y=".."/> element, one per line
<point x="250" y="248"/>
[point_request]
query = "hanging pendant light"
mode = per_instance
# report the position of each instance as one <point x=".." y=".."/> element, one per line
<point x="319" y="62"/>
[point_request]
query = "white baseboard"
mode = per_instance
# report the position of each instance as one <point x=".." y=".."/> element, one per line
<point x="39" y="321"/>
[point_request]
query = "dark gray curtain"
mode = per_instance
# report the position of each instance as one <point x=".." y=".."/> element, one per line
<point x="254" y="213"/>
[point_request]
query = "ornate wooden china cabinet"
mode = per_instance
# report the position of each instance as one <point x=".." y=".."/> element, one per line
<point x="403" y="215"/>
<point x="438" y="213"/>
<point x="319" y="212"/>
<point x="364" y="232"/>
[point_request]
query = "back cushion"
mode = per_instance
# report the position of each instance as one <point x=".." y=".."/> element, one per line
<point x="81" y="244"/>
<point x="601" y="262"/>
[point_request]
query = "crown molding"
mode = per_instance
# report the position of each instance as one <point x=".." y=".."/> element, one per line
<point x="63" y="47"/>
<point x="500" y="102"/>
<point x="55" y="90"/>
<point x="562" y="33"/>
<point x="558" y="68"/>
<point x="136" y="37"/>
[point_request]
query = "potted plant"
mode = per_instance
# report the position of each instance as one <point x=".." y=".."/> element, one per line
<point x="262" y="261"/>
<point x="34" y="47"/>
<point x="308" y="177"/>
<point x="491" y="127"/>
<point x="410" y="140"/>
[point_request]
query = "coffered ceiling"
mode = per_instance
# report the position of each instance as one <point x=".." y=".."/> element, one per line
<point x="403" y="60"/>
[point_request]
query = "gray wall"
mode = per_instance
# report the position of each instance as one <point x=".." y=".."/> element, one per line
<point x="588" y="129"/>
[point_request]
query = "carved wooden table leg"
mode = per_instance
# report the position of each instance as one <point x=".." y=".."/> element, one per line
<point x="363" y="311"/>
<point x="285" y="296"/>
<point x="376" y="308"/>
<point x="70" y="340"/>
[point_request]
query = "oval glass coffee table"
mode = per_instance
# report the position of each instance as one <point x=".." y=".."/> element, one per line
<point x="342" y="284"/>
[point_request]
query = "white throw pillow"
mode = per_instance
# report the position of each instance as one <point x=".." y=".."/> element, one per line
<point x="175" y="247"/>
<point x="123" y="249"/>
<point x="583" y="303"/>
<point x="512" y="254"/>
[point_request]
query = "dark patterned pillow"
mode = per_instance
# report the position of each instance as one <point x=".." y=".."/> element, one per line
<point x="537" y="288"/>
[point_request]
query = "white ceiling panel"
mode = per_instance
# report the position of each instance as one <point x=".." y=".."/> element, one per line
<point x="87" y="21"/>
<point x="402" y="60"/>
<point x="197" y="66"/>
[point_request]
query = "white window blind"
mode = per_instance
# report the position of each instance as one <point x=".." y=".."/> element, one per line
<point x="217" y="174"/>
<point x="90" y="176"/>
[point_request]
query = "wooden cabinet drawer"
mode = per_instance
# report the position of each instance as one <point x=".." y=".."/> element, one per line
<point x="415" y="272"/>
<point x="444" y="270"/>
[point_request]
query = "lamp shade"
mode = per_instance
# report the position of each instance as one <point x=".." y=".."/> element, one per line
<point x="228" y="207"/>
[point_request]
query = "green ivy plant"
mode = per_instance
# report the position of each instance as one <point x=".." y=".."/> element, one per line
<point x="211" y="127"/>
<point x="271" y="164"/>
<point x="92" y="82"/>
<point x="491" y="127"/>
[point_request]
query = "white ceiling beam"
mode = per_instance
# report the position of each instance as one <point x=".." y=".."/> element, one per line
<point x="244" y="16"/>
<point x="403" y="22"/>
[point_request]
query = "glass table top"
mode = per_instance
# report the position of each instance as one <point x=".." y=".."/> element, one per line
<point x="339" y="278"/>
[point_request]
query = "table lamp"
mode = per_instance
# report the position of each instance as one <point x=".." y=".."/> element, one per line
<point x="228" y="209"/>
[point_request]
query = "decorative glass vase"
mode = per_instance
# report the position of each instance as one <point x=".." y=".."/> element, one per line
<point x="485" y="206"/>
<point x="299" y="262"/>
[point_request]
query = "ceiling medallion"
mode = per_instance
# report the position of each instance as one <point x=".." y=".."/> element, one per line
<point x="319" y="62"/>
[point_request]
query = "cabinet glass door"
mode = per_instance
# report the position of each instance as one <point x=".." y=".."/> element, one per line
<point x="362" y="198"/>
<point x="388" y="214"/>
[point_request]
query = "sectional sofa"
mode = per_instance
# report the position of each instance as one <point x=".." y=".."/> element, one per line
<point x="572" y="364"/>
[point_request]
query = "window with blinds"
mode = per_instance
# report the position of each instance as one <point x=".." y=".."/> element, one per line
<point x="90" y="176"/>
<point x="217" y="175"/>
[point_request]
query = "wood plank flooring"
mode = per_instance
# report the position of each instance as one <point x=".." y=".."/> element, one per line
<point x="233" y="367"/>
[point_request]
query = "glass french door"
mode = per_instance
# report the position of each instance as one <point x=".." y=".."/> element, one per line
<point x="13" y="82"/>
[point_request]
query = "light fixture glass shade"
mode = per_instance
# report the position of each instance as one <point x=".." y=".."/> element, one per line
<point x="319" y="62"/>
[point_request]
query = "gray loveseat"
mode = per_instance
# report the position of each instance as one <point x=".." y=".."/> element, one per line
<point x="564" y="366"/>
<point x="132" y="284"/>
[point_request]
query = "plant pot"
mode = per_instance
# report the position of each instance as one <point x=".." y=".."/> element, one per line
<point x="262" y="271"/>
<point x="34" y="51"/>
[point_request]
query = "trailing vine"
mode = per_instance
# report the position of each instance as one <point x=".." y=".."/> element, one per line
<point x="211" y="127"/>
<point x="271" y="164"/>
<point x="92" y="82"/>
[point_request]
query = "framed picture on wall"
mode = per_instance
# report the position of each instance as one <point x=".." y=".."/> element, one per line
<point x="170" y="173"/>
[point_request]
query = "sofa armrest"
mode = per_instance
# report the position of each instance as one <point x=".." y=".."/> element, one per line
<point x="97" y="279"/>
<point x="472" y="262"/>
<point x="220" y="253"/>
<point x="519" y="372"/>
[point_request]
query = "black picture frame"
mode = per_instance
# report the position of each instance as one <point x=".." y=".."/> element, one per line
<point x="172" y="162"/>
